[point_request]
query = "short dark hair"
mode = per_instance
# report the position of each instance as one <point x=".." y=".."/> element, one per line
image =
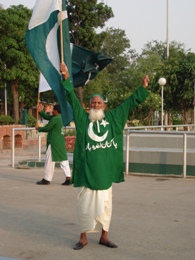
<point x="57" y="108"/>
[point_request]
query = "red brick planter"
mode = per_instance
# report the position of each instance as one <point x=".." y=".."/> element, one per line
<point x="70" y="142"/>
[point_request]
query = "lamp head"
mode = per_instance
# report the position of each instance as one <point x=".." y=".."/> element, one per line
<point x="162" y="81"/>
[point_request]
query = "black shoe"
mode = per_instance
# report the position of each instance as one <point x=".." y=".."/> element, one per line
<point x="79" y="245"/>
<point x="67" y="182"/>
<point x="43" y="182"/>
<point x="108" y="244"/>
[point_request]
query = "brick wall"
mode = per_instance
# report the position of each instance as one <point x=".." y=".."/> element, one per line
<point x="22" y="141"/>
<point x="6" y="133"/>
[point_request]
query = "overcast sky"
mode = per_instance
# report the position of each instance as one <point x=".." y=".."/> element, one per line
<point x="145" y="20"/>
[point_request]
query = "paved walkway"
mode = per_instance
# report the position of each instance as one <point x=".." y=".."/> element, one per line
<point x="153" y="218"/>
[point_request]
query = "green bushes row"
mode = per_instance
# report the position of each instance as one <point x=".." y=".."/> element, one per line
<point x="8" y="120"/>
<point x="70" y="132"/>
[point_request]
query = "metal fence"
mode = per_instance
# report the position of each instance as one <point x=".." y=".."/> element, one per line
<point x="170" y="129"/>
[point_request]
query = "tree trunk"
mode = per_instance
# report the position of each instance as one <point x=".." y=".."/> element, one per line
<point x="169" y="119"/>
<point x="14" y="88"/>
<point x="149" y="117"/>
<point x="185" y="118"/>
<point x="80" y="95"/>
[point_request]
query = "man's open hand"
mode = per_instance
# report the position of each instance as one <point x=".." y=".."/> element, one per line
<point x="145" y="81"/>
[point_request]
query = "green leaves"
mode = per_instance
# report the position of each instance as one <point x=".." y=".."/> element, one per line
<point x="21" y="74"/>
<point x="84" y="18"/>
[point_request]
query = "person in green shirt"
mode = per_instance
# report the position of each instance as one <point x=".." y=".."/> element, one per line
<point x="98" y="157"/>
<point x="56" y="148"/>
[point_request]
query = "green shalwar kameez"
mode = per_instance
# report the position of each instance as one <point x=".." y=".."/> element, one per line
<point x="98" y="153"/>
<point x="98" y="158"/>
<point x="55" y="136"/>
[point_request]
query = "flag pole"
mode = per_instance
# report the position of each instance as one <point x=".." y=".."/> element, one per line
<point x="38" y="100"/>
<point x="61" y="39"/>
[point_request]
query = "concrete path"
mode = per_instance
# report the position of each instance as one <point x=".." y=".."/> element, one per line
<point x="153" y="218"/>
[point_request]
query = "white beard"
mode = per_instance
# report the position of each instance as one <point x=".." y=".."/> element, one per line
<point x="96" y="114"/>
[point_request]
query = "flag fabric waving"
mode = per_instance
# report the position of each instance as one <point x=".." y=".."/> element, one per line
<point x="86" y="65"/>
<point x="43" y="42"/>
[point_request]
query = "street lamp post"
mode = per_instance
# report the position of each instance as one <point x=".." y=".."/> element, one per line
<point x="167" y="28"/>
<point x="5" y="99"/>
<point x="162" y="82"/>
<point x="194" y="105"/>
<point x="5" y="93"/>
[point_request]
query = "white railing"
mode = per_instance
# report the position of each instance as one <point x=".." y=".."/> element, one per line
<point x="13" y="143"/>
<point x="190" y="127"/>
<point x="39" y="141"/>
<point x="130" y="130"/>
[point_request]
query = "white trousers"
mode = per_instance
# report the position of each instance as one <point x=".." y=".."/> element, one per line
<point x="50" y="166"/>
<point x="94" y="209"/>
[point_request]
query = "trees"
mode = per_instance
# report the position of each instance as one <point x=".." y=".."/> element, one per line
<point x="84" y="18"/>
<point x="116" y="45"/>
<point x="117" y="81"/>
<point x="17" y="67"/>
<point x="179" y="71"/>
<point x="21" y="74"/>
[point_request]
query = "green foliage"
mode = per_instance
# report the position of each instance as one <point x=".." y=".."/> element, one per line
<point x="109" y="82"/>
<point x="6" y="120"/>
<point x="178" y="121"/>
<point x="178" y="69"/>
<point x="70" y="132"/>
<point x="145" y="111"/>
<point x="17" y="69"/>
<point x="84" y="18"/>
<point x="117" y="81"/>
<point x="116" y="45"/>
<point x="48" y="97"/>
<point x="31" y="120"/>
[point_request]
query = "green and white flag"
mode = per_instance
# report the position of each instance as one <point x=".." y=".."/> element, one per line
<point x="43" y="42"/>
<point x="86" y="65"/>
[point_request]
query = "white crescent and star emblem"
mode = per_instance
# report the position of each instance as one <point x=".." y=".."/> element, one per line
<point x="104" y="123"/>
<point x="95" y="137"/>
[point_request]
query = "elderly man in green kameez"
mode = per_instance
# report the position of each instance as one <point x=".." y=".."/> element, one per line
<point x="98" y="157"/>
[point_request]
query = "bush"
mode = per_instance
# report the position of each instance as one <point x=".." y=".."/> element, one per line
<point x="69" y="132"/>
<point x="31" y="120"/>
<point x="178" y="122"/>
<point x="6" y="120"/>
